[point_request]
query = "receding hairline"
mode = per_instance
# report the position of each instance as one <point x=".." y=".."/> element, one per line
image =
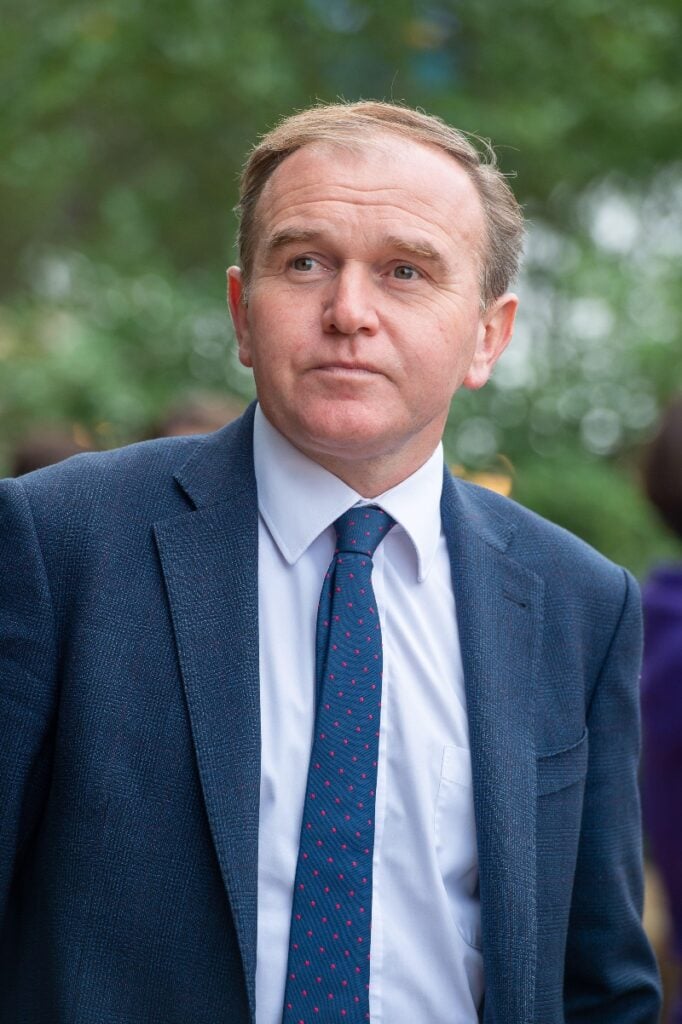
<point x="379" y="137"/>
<point x="376" y="136"/>
<point x="351" y="125"/>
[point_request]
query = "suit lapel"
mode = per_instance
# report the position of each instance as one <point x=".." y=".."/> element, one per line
<point x="209" y="559"/>
<point x="499" y="613"/>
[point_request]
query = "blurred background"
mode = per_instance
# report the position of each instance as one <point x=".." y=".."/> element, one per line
<point x="123" y="130"/>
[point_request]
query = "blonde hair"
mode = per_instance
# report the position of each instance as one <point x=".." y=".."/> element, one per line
<point x="349" y="124"/>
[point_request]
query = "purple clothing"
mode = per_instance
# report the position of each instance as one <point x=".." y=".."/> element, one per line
<point x="662" y="726"/>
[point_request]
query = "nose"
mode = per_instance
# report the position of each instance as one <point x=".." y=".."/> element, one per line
<point x="350" y="305"/>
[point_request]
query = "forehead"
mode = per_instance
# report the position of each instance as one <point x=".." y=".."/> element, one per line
<point x="384" y="180"/>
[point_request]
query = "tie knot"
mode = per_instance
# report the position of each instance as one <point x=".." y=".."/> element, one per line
<point x="362" y="529"/>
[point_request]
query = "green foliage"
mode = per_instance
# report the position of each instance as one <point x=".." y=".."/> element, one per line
<point x="124" y="127"/>
<point x="599" y="502"/>
<point x="110" y="351"/>
<point x="125" y="124"/>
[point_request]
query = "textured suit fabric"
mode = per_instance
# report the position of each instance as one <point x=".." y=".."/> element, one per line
<point x="130" y="747"/>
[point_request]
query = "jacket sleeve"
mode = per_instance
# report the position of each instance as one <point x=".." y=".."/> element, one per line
<point x="28" y="669"/>
<point x="611" y="975"/>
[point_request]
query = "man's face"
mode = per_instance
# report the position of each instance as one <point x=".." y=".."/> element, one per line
<point x="364" y="306"/>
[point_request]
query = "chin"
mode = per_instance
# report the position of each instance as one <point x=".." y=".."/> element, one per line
<point x="342" y="423"/>
<point x="329" y="447"/>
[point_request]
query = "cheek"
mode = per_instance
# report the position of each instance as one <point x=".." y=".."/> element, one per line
<point x="442" y="360"/>
<point x="440" y="376"/>
<point x="283" y="336"/>
<point x="275" y="351"/>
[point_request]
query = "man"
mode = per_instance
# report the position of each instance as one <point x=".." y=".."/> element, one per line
<point x="211" y="791"/>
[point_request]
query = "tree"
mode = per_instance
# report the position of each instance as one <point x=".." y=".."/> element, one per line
<point x="125" y="126"/>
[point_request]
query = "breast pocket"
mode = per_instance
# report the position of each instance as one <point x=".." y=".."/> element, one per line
<point x="455" y="837"/>
<point x="559" y="770"/>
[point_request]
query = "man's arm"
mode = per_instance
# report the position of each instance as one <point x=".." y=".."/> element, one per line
<point x="28" y="668"/>
<point x="611" y="976"/>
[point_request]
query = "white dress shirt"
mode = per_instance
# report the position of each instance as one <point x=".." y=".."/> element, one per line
<point x="426" y="963"/>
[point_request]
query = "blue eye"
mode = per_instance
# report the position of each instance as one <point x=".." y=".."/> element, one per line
<point x="405" y="272"/>
<point x="303" y="263"/>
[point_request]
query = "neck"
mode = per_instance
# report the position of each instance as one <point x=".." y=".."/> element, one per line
<point x="371" y="477"/>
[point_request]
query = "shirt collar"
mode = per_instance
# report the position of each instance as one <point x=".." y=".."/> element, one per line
<point x="298" y="498"/>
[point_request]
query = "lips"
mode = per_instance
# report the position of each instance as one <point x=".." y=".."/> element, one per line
<point x="341" y="367"/>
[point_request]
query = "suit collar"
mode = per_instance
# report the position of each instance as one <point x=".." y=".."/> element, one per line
<point x="499" y="615"/>
<point x="221" y="464"/>
<point x="209" y="559"/>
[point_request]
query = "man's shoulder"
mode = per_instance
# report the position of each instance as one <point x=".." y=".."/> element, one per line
<point x="581" y="596"/>
<point x="147" y="475"/>
<point x="539" y="544"/>
<point x="128" y="489"/>
<point x="140" y="472"/>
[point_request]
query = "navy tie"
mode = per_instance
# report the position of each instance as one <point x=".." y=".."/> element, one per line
<point x="329" y="945"/>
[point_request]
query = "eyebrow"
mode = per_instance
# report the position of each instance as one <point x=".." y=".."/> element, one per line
<point x="416" y="248"/>
<point x="289" y="236"/>
<point x="421" y="249"/>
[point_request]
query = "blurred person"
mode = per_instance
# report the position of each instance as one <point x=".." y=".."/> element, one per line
<point x="44" y="446"/>
<point x="662" y="682"/>
<point x="197" y="414"/>
<point x="288" y="693"/>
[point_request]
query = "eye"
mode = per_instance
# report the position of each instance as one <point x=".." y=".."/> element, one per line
<point x="406" y="272"/>
<point x="303" y="263"/>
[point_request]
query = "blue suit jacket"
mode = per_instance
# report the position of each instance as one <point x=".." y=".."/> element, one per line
<point x="130" y="745"/>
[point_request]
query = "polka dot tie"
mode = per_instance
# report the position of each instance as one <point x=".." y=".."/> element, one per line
<point x="329" y="945"/>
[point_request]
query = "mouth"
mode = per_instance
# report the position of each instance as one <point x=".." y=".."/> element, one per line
<point x="341" y="369"/>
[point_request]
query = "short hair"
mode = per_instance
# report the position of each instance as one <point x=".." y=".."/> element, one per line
<point x="662" y="468"/>
<point x="347" y="124"/>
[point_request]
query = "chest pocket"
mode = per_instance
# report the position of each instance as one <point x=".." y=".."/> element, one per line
<point x="455" y="838"/>
<point x="562" y="769"/>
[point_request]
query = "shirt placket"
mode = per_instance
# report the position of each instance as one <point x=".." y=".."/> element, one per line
<point x="377" y="949"/>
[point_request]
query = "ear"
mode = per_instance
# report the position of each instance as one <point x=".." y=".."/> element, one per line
<point x="236" y="300"/>
<point x="494" y="334"/>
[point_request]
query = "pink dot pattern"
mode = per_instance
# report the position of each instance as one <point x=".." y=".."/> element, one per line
<point x="329" y="945"/>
